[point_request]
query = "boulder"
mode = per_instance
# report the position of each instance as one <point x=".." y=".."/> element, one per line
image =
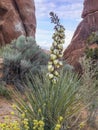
<point x="88" y="25"/>
<point x="17" y="17"/>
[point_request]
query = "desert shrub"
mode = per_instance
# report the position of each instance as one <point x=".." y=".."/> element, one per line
<point x="89" y="77"/>
<point x="24" y="55"/>
<point x="1" y="52"/>
<point x="91" y="53"/>
<point x="4" y="91"/>
<point x="46" y="101"/>
<point x="3" y="49"/>
<point x="89" y="84"/>
<point x="67" y="67"/>
<point x="10" y="125"/>
<point x="89" y="88"/>
<point x="92" y="38"/>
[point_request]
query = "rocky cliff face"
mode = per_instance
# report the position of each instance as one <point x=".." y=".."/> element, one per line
<point x="16" y="17"/>
<point x="89" y="24"/>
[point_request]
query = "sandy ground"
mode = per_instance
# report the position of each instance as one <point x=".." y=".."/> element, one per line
<point x="5" y="108"/>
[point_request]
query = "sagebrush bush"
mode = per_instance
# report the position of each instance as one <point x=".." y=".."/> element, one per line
<point x="24" y="56"/>
<point x="3" y="49"/>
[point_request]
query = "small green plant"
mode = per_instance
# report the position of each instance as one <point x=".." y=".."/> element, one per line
<point x="93" y="38"/>
<point x="23" y="124"/>
<point x="91" y="53"/>
<point x="9" y="125"/>
<point x="4" y="91"/>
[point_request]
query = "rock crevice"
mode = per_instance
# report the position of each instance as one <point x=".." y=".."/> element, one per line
<point x="18" y="11"/>
<point x="16" y="17"/>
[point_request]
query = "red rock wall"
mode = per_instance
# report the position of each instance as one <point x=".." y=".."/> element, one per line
<point x="16" y="17"/>
<point x="89" y="23"/>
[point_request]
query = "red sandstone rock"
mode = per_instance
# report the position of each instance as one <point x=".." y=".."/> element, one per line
<point x="89" y="24"/>
<point x="16" y="17"/>
<point x="1" y="66"/>
<point x="90" y="6"/>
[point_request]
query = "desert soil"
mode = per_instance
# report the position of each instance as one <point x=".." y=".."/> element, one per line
<point x="5" y="108"/>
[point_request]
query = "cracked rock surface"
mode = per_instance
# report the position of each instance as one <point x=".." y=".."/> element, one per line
<point x="16" y="17"/>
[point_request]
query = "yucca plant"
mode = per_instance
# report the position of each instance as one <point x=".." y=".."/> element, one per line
<point x="47" y="102"/>
<point x="51" y="100"/>
<point x="55" y="63"/>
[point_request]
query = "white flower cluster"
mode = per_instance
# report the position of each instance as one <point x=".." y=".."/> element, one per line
<point x="56" y="53"/>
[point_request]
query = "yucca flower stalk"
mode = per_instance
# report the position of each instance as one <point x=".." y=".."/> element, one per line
<point x="55" y="62"/>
